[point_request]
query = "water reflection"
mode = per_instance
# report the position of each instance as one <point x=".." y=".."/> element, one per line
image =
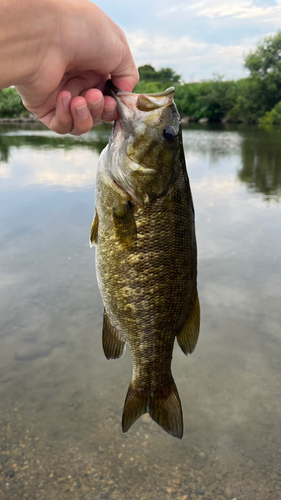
<point x="41" y="157"/>
<point x="61" y="401"/>
<point x="261" y="160"/>
<point x="39" y="138"/>
<point x="258" y="152"/>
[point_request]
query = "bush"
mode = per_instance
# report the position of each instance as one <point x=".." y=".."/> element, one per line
<point x="273" y="116"/>
<point x="10" y="103"/>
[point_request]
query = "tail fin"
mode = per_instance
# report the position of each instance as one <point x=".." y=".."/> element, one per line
<point x="163" y="405"/>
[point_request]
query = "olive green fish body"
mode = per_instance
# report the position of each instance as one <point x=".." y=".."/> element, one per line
<point x="146" y="263"/>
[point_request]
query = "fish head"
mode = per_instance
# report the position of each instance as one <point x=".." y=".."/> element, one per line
<point x="144" y="149"/>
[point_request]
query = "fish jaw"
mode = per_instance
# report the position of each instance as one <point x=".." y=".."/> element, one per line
<point x="141" y="161"/>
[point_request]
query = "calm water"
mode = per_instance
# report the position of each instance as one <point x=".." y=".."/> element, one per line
<point x="61" y="401"/>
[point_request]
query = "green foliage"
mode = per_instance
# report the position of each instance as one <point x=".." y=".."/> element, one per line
<point x="247" y="99"/>
<point x="249" y="104"/>
<point x="168" y="75"/>
<point x="273" y="116"/>
<point x="10" y="103"/>
<point x="149" y="87"/>
<point x="210" y="99"/>
<point x="265" y="61"/>
<point x="164" y="75"/>
<point x="264" y="65"/>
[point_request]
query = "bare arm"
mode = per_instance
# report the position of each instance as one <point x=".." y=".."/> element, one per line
<point x="59" y="54"/>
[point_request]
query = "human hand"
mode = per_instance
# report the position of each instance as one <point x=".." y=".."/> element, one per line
<point x="72" y="49"/>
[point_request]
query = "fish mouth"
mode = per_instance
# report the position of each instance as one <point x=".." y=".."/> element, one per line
<point x="129" y="104"/>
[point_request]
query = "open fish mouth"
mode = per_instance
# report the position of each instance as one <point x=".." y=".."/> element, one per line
<point x="129" y="104"/>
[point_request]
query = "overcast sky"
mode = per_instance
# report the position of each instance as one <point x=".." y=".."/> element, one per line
<point x="195" y="38"/>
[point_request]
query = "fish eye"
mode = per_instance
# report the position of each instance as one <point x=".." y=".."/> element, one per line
<point x="169" y="134"/>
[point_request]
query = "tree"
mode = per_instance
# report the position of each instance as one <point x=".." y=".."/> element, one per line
<point x="168" y="75"/>
<point x="265" y="68"/>
<point x="10" y="103"/>
<point x="266" y="60"/>
<point x="164" y="75"/>
<point x="147" y="73"/>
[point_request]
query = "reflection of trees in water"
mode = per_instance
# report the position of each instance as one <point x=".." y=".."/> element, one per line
<point x="260" y="150"/>
<point x="261" y="158"/>
<point x="4" y="149"/>
<point x="97" y="143"/>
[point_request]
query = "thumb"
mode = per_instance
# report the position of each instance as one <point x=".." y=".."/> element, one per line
<point x="126" y="83"/>
<point x="126" y="75"/>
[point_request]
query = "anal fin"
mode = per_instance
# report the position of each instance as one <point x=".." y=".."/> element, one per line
<point x="112" y="342"/>
<point x="188" y="336"/>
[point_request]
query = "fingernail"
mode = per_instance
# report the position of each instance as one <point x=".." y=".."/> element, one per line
<point x="66" y="102"/>
<point x="82" y="112"/>
<point x="95" y="105"/>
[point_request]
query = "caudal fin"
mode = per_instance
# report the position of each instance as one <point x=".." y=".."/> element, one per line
<point x="163" y="405"/>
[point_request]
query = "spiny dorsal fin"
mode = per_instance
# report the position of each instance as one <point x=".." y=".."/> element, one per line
<point x="188" y="336"/>
<point x="112" y="342"/>
<point x="125" y="224"/>
<point x="94" y="230"/>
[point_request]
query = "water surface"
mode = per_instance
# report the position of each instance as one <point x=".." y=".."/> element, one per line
<point x="61" y="401"/>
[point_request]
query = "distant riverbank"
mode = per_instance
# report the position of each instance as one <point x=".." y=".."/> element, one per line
<point x="20" y="119"/>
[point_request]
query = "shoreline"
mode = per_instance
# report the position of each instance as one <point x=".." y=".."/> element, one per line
<point x="20" y="119"/>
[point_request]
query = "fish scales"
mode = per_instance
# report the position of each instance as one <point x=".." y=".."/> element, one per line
<point x="146" y="265"/>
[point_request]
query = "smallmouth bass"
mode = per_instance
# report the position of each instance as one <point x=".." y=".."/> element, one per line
<point x="146" y="255"/>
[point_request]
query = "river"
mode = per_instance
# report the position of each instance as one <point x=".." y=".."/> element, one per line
<point x="61" y="401"/>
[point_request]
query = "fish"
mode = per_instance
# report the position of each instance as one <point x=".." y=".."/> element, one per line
<point x="146" y="253"/>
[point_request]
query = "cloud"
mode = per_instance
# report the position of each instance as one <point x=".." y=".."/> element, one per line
<point x="74" y="169"/>
<point x="196" y="38"/>
<point x="239" y="9"/>
<point x="192" y="59"/>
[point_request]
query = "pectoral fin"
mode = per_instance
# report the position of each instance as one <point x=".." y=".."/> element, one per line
<point x="188" y="336"/>
<point x="125" y="224"/>
<point x="112" y="342"/>
<point x="94" y="230"/>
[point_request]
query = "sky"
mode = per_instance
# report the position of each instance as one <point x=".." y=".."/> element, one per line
<point x="196" y="38"/>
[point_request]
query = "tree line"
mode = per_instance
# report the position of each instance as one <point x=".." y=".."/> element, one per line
<point x="256" y="98"/>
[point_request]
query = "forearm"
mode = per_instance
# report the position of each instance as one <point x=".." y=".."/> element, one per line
<point x="26" y="28"/>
